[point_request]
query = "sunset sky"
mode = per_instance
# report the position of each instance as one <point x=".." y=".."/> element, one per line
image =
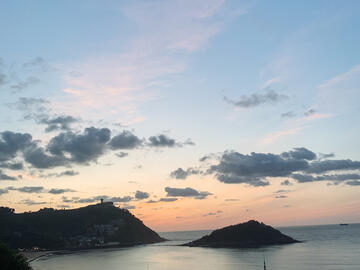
<point x="192" y="114"/>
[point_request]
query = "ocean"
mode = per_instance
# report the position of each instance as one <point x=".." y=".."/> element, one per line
<point x="325" y="247"/>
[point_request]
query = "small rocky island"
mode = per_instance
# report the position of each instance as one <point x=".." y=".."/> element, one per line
<point x="94" y="226"/>
<point x="245" y="235"/>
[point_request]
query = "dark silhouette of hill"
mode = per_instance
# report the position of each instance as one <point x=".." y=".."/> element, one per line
<point x="12" y="260"/>
<point x="244" y="235"/>
<point x="87" y="227"/>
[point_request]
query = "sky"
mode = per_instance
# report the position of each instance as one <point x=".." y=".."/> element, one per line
<point x="191" y="114"/>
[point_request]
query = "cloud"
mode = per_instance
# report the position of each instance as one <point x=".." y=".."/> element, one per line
<point x="254" y="100"/>
<point x="280" y="196"/>
<point x="11" y="143"/>
<point x="181" y="174"/>
<point x="309" y="112"/>
<point x="140" y="195"/>
<point x="168" y="199"/>
<point x="61" y="122"/>
<point x="299" y="154"/>
<point x="37" y="189"/>
<point x="3" y="191"/>
<point x="22" y="84"/>
<point x="355" y="71"/>
<point x="29" y="202"/>
<point x="305" y="178"/>
<point x="256" y="169"/>
<point x="333" y="165"/>
<point x="289" y="114"/>
<point x="12" y="165"/>
<point x="61" y="174"/>
<point x="186" y="192"/>
<point x="125" y="140"/>
<point x="121" y="154"/>
<point x="38" y="63"/>
<point x="5" y="177"/>
<point x="286" y="183"/>
<point x="82" y="148"/>
<point x="60" y="190"/>
<point x="38" y="158"/>
<point x="161" y="141"/>
<point x="353" y="183"/>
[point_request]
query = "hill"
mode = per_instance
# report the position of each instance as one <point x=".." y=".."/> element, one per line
<point x="87" y="227"/>
<point x="244" y="235"/>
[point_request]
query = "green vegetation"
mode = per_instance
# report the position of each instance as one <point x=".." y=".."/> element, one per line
<point x="11" y="260"/>
<point x="86" y="227"/>
<point x="244" y="235"/>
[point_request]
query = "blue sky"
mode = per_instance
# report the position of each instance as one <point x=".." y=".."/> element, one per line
<point x="238" y="76"/>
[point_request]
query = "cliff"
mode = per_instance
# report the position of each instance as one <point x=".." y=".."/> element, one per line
<point x="87" y="227"/>
<point x="245" y="235"/>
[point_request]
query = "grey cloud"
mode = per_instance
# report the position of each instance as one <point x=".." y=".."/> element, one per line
<point x="309" y="112"/>
<point x="121" y="154"/>
<point x="333" y="165"/>
<point x="254" y="100"/>
<point x="280" y="196"/>
<point x="325" y="156"/>
<point x="2" y="79"/>
<point x="186" y="192"/>
<point x="22" y="84"/>
<point x="254" y="168"/>
<point x="82" y="148"/>
<point x="125" y="140"/>
<point x="232" y="200"/>
<point x="289" y="114"/>
<point x="286" y="183"/>
<point x="12" y="165"/>
<point x="161" y="141"/>
<point x="151" y="201"/>
<point x="121" y="199"/>
<point x="5" y="177"/>
<point x="353" y="183"/>
<point x="62" y="122"/>
<point x="28" y="189"/>
<point x="140" y="195"/>
<point x="38" y="158"/>
<point x="168" y="199"/>
<point x="282" y="191"/>
<point x="60" y="190"/>
<point x="304" y="178"/>
<point x="11" y="143"/>
<point x="31" y="202"/>
<point x="299" y="154"/>
<point x="182" y="174"/>
<point x="61" y="174"/>
<point x="37" y="63"/>
<point x="3" y="191"/>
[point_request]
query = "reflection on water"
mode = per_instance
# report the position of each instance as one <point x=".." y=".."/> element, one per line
<point x="330" y="247"/>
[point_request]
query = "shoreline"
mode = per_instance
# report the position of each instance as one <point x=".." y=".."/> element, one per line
<point x="34" y="255"/>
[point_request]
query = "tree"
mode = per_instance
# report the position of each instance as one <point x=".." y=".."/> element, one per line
<point x="12" y="260"/>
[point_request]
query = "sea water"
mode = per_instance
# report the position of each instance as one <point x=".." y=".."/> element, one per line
<point x="326" y="247"/>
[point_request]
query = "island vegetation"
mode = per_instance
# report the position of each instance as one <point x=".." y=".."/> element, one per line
<point x="12" y="260"/>
<point x="245" y="235"/>
<point x="93" y="226"/>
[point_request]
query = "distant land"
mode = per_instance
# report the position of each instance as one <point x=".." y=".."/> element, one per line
<point x="245" y="235"/>
<point x="93" y="226"/>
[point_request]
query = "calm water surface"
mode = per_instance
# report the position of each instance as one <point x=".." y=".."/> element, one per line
<point x="325" y="247"/>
